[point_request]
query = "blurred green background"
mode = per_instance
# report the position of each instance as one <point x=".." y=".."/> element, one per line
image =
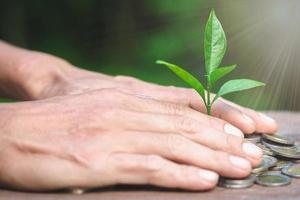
<point x="127" y="36"/>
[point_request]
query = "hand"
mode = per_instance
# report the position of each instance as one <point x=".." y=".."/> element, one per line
<point x="107" y="137"/>
<point x="73" y="80"/>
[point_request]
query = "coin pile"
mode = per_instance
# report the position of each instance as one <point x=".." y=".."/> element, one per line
<point x="278" y="165"/>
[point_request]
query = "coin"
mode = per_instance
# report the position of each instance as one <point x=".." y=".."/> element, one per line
<point x="270" y="161"/>
<point x="274" y="147"/>
<point x="266" y="150"/>
<point x="286" y="153"/>
<point x="270" y="144"/>
<point x="296" y="161"/>
<point x="254" y="138"/>
<point x="292" y="170"/>
<point x="237" y="183"/>
<point x="272" y="179"/>
<point x="278" y="139"/>
<point x="262" y="167"/>
<point x="281" y="164"/>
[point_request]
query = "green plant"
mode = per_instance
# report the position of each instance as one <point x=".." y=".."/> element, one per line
<point x="214" y="49"/>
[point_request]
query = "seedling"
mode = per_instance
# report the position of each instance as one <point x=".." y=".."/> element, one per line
<point x="214" y="49"/>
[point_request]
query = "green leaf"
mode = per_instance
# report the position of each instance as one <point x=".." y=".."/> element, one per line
<point x="219" y="73"/>
<point x="214" y="43"/>
<point x="185" y="76"/>
<point x="237" y="85"/>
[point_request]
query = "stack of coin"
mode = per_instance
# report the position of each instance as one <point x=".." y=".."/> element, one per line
<point x="237" y="183"/>
<point x="278" y="165"/>
<point x="273" y="179"/>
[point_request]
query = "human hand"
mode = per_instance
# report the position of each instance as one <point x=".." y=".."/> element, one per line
<point x="105" y="137"/>
<point x="72" y="80"/>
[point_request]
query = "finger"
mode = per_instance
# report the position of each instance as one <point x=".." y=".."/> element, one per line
<point x="219" y="109"/>
<point x="155" y="170"/>
<point x="245" y="119"/>
<point x="234" y="116"/>
<point x="154" y="106"/>
<point x="264" y="124"/>
<point x="189" y="97"/>
<point x="180" y="149"/>
<point x="193" y="130"/>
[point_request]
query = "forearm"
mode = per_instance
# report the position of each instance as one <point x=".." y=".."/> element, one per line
<point x="24" y="73"/>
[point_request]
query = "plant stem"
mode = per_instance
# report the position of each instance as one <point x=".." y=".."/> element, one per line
<point x="208" y="103"/>
<point x="209" y="109"/>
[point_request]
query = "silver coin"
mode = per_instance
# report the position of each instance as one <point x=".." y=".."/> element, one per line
<point x="262" y="167"/>
<point x="272" y="179"/>
<point x="248" y="179"/>
<point x="269" y="145"/>
<point x="270" y="161"/>
<point x="237" y="183"/>
<point x="281" y="164"/>
<point x="278" y="139"/>
<point x="296" y="161"/>
<point x="286" y="153"/>
<point x="292" y="170"/>
<point x="235" y="186"/>
<point x="254" y="138"/>
<point x="266" y="150"/>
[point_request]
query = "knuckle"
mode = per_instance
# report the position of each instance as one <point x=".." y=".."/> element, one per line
<point x="233" y="144"/>
<point x="124" y="162"/>
<point x="150" y="163"/>
<point x="218" y="162"/>
<point x="186" y="179"/>
<point x="215" y="123"/>
<point x="186" y="124"/>
<point x="153" y="162"/>
<point x="211" y="121"/>
<point x="121" y="162"/>
<point x="174" y="109"/>
<point x="213" y="160"/>
<point x="221" y="109"/>
<point x="176" y="144"/>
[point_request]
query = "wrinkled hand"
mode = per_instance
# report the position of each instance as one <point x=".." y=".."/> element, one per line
<point x="106" y="137"/>
<point x="77" y="81"/>
<point x="91" y="130"/>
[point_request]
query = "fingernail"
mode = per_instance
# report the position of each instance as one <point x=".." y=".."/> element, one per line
<point x="252" y="150"/>
<point x="239" y="162"/>
<point x="228" y="128"/>
<point x="266" y="118"/>
<point x="208" y="175"/>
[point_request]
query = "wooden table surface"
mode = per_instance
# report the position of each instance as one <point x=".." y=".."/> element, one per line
<point x="289" y="125"/>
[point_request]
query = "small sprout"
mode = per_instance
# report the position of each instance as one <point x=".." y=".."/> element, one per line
<point x="214" y="50"/>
